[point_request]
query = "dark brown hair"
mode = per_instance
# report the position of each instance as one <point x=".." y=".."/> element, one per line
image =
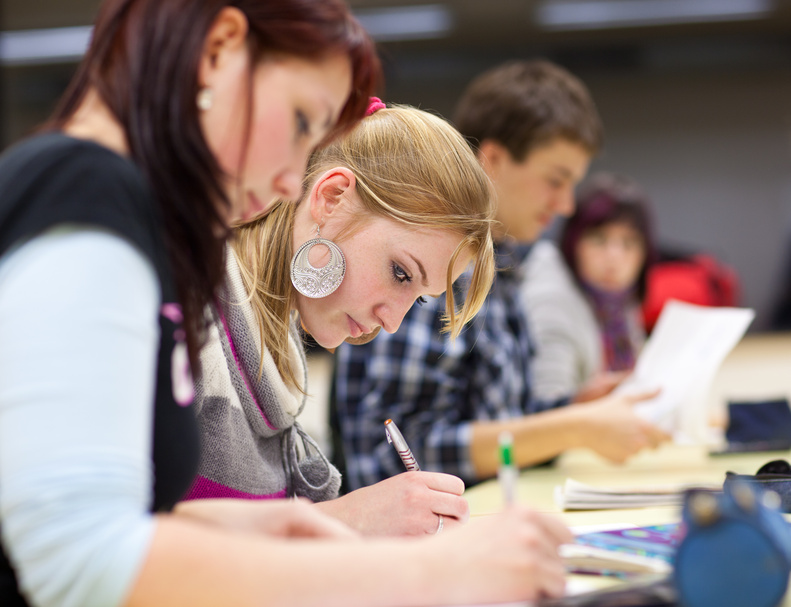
<point x="143" y="62"/>
<point x="524" y="104"/>
<point x="603" y="199"/>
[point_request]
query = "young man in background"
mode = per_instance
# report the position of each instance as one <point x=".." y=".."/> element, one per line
<point x="535" y="130"/>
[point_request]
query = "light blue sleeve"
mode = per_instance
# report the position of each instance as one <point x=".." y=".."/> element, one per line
<point x="78" y="347"/>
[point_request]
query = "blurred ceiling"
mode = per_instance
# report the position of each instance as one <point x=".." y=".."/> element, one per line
<point x="35" y="14"/>
<point x="586" y="31"/>
<point x="488" y="22"/>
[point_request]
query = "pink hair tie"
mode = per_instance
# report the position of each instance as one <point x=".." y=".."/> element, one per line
<point x="374" y="105"/>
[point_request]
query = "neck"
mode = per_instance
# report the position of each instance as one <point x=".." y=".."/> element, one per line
<point x="602" y="295"/>
<point x="94" y="121"/>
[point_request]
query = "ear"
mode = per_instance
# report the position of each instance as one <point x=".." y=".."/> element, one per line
<point x="228" y="33"/>
<point x="492" y="155"/>
<point x="331" y="191"/>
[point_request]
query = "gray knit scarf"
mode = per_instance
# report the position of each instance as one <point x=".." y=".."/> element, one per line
<point x="251" y="443"/>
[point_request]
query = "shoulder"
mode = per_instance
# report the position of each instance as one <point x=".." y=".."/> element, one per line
<point x="49" y="151"/>
<point x="54" y="163"/>
<point x="546" y="274"/>
<point x="545" y="264"/>
<point x="549" y="288"/>
<point x="54" y="179"/>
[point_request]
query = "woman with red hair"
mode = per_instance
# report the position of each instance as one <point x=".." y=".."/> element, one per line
<point x="584" y="300"/>
<point x="185" y="117"/>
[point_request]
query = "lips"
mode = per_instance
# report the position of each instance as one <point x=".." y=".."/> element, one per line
<point x="355" y="328"/>
<point x="358" y="330"/>
<point x="363" y="339"/>
<point x="254" y="207"/>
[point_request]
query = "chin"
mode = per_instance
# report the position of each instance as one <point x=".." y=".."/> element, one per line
<point x="327" y="343"/>
<point x="364" y="338"/>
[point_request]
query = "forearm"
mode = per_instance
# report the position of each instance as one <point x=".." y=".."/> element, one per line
<point x="537" y="438"/>
<point x="193" y="564"/>
<point x="342" y="509"/>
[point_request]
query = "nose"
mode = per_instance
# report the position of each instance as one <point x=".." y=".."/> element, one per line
<point x="614" y="248"/>
<point x="391" y="314"/>
<point x="564" y="204"/>
<point x="288" y="184"/>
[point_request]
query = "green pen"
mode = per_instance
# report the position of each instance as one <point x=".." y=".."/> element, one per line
<point x="507" y="473"/>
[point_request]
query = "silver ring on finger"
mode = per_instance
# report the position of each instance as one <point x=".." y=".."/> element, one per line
<point x="440" y="524"/>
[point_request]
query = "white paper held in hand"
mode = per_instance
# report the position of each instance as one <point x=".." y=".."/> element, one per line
<point x="681" y="357"/>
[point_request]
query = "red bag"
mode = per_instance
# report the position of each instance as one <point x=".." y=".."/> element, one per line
<point x="698" y="279"/>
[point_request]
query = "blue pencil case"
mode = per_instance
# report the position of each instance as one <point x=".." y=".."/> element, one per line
<point x="772" y="476"/>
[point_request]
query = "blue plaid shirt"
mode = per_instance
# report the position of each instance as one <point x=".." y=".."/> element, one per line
<point x="435" y="388"/>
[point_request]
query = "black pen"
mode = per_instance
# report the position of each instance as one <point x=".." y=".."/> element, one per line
<point x="395" y="438"/>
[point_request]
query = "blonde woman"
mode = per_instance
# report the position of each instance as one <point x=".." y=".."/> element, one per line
<point x="408" y="209"/>
<point x="390" y="214"/>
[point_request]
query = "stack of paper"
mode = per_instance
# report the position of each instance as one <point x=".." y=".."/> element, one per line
<point x="575" y="495"/>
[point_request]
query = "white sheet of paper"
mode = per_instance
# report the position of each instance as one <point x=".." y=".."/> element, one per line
<point x="686" y="347"/>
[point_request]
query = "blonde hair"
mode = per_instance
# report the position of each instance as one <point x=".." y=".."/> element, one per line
<point x="411" y="167"/>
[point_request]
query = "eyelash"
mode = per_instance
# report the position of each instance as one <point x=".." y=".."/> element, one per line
<point x="400" y="276"/>
<point x="303" y="126"/>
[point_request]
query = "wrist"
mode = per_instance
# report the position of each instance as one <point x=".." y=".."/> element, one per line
<point x="577" y="427"/>
<point x="333" y="508"/>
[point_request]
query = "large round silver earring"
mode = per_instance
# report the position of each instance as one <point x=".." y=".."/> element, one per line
<point x="317" y="282"/>
<point x="205" y="98"/>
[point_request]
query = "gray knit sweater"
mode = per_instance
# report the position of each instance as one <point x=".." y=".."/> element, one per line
<point x="252" y="446"/>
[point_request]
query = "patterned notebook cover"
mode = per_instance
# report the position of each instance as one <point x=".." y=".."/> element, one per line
<point x="654" y="541"/>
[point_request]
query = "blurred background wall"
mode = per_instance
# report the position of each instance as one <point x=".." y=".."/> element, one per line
<point x="695" y="96"/>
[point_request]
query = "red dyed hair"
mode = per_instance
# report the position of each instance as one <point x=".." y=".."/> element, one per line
<point x="607" y="198"/>
<point x="143" y="61"/>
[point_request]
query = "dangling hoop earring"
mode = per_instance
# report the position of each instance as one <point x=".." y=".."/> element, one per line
<point x="317" y="282"/>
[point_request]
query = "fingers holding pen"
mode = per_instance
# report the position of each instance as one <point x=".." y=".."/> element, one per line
<point x="434" y="494"/>
<point x="551" y="530"/>
<point x="441" y="493"/>
<point x="446" y="496"/>
<point x="444" y="483"/>
<point x="405" y="504"/>
<point x="539" y="537"/>
<point x="515" y="552"/>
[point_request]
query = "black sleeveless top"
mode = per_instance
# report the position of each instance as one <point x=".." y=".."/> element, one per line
<point x="53" y="179"/>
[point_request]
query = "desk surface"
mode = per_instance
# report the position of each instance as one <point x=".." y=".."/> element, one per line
<point x="668" y="464"/>
<point x="759" y="367"/>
